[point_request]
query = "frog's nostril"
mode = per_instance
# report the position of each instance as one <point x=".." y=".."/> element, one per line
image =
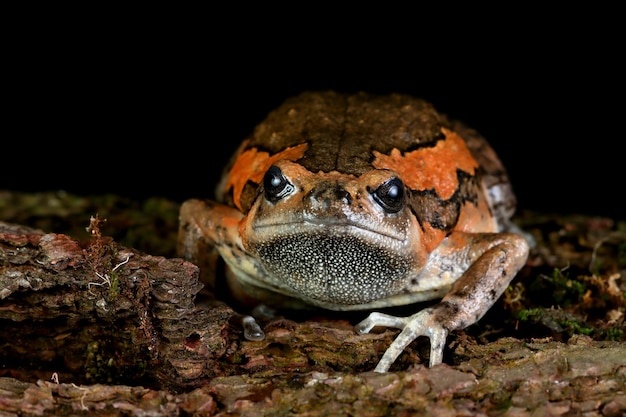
<point x="343" y="195"/>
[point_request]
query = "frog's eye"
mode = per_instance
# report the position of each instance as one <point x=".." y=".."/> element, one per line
<point x="276" y="184"/>
<point x="390" y="195"/>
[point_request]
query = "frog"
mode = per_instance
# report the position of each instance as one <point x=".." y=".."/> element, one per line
<point x="357" y="201"/>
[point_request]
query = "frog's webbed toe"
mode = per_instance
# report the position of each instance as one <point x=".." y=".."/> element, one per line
<point x="251" y="329"/>
<point x="423" y="323"/>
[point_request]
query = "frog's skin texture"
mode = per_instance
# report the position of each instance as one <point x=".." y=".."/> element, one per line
<point x="361" y="202"/>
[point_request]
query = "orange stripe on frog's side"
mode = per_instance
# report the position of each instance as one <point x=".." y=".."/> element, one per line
<point x="431" y="236"/>
<point x="476" y="218"/>
<point x="431" y="168"/>
<point x="252" y="164"/>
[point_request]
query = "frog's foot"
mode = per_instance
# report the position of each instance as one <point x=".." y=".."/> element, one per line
<point x="424" y="323"/>
<point x="251" y="329"/>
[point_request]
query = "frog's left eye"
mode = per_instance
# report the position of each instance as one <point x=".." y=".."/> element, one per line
<point x="390" y="195"/>
<point x="276" y="185"/>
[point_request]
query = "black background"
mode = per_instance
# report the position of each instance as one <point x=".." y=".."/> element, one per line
<point x="155" y="109"/>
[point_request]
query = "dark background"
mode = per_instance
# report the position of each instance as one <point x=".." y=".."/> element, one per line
<point x="156" y="111"/>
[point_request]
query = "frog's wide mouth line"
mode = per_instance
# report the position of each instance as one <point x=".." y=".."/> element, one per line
<point x="316" y="226"/>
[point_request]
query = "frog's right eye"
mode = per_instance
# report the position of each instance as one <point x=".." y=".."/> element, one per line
<point x="390" y="195"/>
<point x="276" y="185"/>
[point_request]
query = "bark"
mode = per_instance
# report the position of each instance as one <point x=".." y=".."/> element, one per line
<point x="93" y="327"/>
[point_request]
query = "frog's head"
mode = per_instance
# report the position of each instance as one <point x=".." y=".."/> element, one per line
<point x="331" y="237"/>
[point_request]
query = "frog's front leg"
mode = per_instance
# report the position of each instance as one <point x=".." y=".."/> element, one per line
<point x="490" y="262"/>
<point x="205" y="227"/>
<point x="208" y="231"/>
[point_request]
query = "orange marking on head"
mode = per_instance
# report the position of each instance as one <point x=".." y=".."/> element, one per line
<point x="431" y="168"/>
<point x="251" y="165"/>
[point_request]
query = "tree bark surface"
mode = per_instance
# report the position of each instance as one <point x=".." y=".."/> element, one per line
<point x="92" y="327"/>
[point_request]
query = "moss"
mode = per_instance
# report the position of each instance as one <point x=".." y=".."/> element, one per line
<point x="567" y="291"/>
<point x="99" y="367"/>
<point x="115" y="285"/>
<point x="576" y="327"/>
<point x="528" y="314"/>
<point x="614" y="334"/>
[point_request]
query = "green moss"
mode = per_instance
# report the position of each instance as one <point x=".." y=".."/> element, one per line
<point x="566" y="291"/>
<point x="614" y="334"/>
<point x="528" y="314"/>
<point x="576" y="327"/>
<point x="98" y="366"/>
<point x="115" y="285"/>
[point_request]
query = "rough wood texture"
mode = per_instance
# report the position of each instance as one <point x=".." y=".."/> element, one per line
<point x="91" y="327"/>
<point x="513" y="378"/>
<point x="89" y="311"/>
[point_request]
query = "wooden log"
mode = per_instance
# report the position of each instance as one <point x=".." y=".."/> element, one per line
<point x="99" y="312"/>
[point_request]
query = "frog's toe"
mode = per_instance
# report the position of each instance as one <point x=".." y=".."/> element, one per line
<point x="251" y="329"/>
<point x="379" y="319"/>
<point x="423" y="323"/>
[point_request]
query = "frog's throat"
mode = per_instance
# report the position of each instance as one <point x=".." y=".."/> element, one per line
<point x="338" y="268"/>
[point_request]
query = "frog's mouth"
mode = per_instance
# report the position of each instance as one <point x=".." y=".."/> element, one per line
<point x="334" y="266"/>
<point x="328" y="224"/>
